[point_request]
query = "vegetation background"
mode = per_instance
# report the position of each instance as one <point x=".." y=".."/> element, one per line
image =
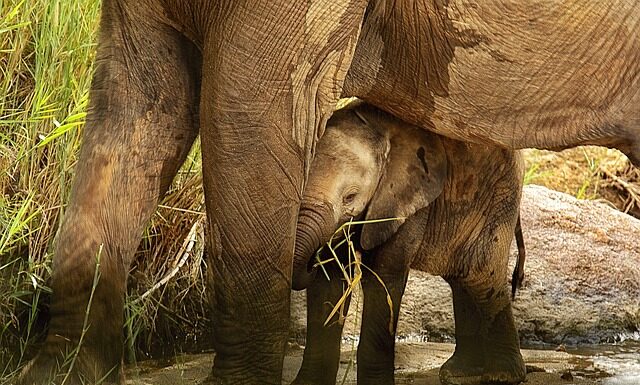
<point x="46" y="53"/>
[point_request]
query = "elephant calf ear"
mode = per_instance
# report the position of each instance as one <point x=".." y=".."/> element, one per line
<point x="413" y="177"/>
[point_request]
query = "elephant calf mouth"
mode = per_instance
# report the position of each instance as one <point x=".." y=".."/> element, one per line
<point x="303" y="277"/>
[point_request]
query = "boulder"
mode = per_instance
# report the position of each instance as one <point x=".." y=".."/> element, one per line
<point x="582" y="282"/>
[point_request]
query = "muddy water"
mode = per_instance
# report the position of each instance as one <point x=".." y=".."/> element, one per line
<point x="617" y="364"/>
<point x="418" y="363"/>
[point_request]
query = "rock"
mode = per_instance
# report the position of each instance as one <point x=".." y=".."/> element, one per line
<point x="582" y="280"/>
<point x="583" y="270"/>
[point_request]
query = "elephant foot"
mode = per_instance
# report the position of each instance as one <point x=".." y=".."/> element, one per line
<point x="505" y="369"/>
<point x="54" y="369"/>
<point x="212" y="379"/>
<point x="305" y="381"/>
<point x="473" y="370"/>
<point x="327" y="377"/>
<point x="299" y="381"/>
<point x="459" y="370"/>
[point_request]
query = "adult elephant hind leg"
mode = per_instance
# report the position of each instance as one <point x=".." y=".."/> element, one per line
<point x="141" y="125"/>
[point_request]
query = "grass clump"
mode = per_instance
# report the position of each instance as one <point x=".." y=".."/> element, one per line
<point x="588" y="172"/>
<point x="46" y="52"/>
<point x="351" y="268"/>
<point x="47" y="49"/>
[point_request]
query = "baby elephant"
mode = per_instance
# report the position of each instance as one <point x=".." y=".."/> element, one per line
<point x="459" y="205"/>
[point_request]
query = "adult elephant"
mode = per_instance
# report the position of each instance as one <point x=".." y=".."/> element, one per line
<point x="259" y="79"/>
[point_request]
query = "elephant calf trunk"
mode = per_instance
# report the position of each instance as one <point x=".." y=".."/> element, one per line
<point x="315" y="226"/>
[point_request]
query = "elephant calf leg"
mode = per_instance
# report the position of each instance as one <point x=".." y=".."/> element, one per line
<point x="503" y="361"/>
<point x="376" y="350"/>
<point x="487" y="346"/>
<point x="467" y="363"/>
<point x="141" y="125"/>
<point x="322" y="351"/>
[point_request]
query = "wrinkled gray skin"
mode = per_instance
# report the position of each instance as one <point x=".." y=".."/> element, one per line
<point x="461" y="206"/>
<point x="259" y="80"/>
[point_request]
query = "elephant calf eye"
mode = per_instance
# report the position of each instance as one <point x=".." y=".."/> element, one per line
<point x="349" y="198"/>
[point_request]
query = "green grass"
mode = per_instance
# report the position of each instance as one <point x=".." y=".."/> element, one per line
<point x="587" y="173"/>
<point x="46" y="52"/>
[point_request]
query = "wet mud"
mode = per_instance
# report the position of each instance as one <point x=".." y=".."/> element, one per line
<point x="418" y="363"/>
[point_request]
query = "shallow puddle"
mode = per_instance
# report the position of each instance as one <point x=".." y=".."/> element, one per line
<point x="620" y="362"/>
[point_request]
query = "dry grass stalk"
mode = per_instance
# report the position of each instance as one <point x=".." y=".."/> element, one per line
<point x="352" y="270"/>
<point x="628" y="185"/>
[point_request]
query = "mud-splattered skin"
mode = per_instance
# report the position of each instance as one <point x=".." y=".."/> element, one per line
<point x="258" y="80"/>
<point x="461" y="230"/>
<point x="515" y="73"/>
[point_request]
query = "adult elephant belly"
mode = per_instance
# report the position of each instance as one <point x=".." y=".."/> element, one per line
<point x="513" y="73"/>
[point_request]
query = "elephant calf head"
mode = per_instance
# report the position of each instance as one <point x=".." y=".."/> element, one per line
<point x="368" y="165"/>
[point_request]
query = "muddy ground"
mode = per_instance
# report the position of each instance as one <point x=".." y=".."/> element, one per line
<point x="416" y="363"/>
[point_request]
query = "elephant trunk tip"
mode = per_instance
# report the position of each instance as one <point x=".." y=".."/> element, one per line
<point x="302" y="278"/>
<point x="315" y="225"/>
<point x="634" y="157"/>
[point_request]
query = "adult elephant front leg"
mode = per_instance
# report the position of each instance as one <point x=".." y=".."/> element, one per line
<point x="273" y="72"/>
<point x="140" y="127"/>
